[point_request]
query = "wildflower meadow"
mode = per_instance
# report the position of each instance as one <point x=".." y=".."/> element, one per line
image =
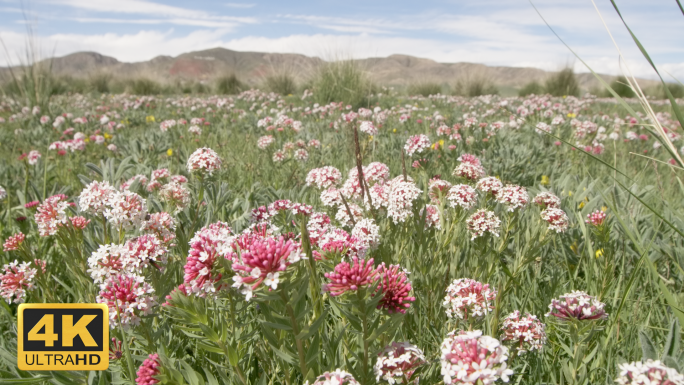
<point x="268" y="239"/>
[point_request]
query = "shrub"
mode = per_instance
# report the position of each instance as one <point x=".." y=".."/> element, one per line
<point x="562" y="83"/>
<point x="100" y="83"/>
<point x="425" y="89"/>
<point x="283" y="84"/>
<point x="342" y="81"/>
<point x="621" y="87"/>
<point x="229" y="85"/>
<point x="474" y="85"/>
<point x="531" y="88"/>
<point x="144" y="86"/>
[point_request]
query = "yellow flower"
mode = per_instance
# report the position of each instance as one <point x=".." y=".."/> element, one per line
<point x="289" y="94"/>
<point x="573" y="247"/>
<point x="441" y="143"/>
<point x="370" y="138"/>
<point x="107" y="135"/>
<point x="150" y="119"/>
<point x="571" y="115"/>
<point x="569" y="193"/>
<point x="86" y="140"/>
<point x="581" y="205"/>
<point x="395" y="130"/>
<point x="565" y="96"/>
<point x="169" y="152"/>
<point x="604" y="208"/>
<point x="599" y="253"/>
<point x="544" y="180"/>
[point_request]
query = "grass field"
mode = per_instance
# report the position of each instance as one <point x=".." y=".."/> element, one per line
<point x="269" y="239"/>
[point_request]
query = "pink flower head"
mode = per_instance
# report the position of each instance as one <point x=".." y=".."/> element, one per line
<point x="395" y="287"/>
<point x="95" y="197"/>
<point x="469" y="171"/>
<point x="180" y="179"/>
<point x="469" y="158"/>
<point x="14" y="242"/>
<point x="317" y="226"/>
<point x="79" y="222"/>
<point x="577" y="305"/>
<point x="15" y="280"/>
<point x="648" y="373"/>
<point x="160" y="173"/>
<point x="146" y="250"/>
<point x="278" y="206"/>
<point x="489" y="184"/>
<point x="556" y="218"/>
<point x="162" y="225"/>
<point x="376" y="172"/>
<point x="338" y="377"/>
<point x="33" y="157"/>
<point x="260" y="214"/>
<point x="331" y="197"/>
<point x="301" y="155"/>
<point x="527" y="333"/>
<point x="175" y="195"/>
<point x="126" y="209"/>
<point x="339" y="241"/>
<point x="596" y="218"/>
<point x="208" y="245"/>
<point x="346" y="277"/>
<point x="301" y="209"/>
<point x="148" y="370"/>
<point x="400" y="200"/>
<point x="483" y="221"/>
<point x="368" y="127"/>
<point x="347" y="218"/>
<point x="324" y="177"/>
<point x="109" y="260"/>
<point x="261" y="260"/>
<point x="547" y="199"/>
<point x="416" y="144"/>
<point x="31" y="204"/>
<point x="513" y="196"/>
<point x="128" y="297"/>
<point x="438" y="189"/>
<point x="51" y="214"/>
<point x="397" y="362"/>
<point x="115" y="349"/>
<point x="470" y="357"/>
<point x="462" y="195"/>
<point x="466" y="298"/>
<point x="431" y="217"/>
<point x="204" y="160"/>
<point x="367" y="232"/>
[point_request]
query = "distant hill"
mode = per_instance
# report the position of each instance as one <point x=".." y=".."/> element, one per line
<point x="253" y="67"/>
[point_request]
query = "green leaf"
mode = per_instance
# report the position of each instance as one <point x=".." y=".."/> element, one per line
<point x="648" y="348"/>
<point x="232" y="355"/>
<point x="392" y="323"/>
<point x="672" y="342"/>
<point x="311" y="329"/>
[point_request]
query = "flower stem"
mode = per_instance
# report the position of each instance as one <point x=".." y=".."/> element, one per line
<point x="295" y="330"/>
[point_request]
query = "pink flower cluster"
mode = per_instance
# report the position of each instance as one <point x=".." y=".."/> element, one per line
<point x="467" y="298"/>
<point x="547" y="200"/>
<point x="397" y="362"/>
<point x="489" y="184"/>
<point x="208" y="245"/>
<point x="483" y="221"/>
<point x="400" y="199"/>
<point x="470" y="168"/>
<point x="577" y="305"/>
<point x="51" y="214"/>
<point x="16" y="278"/>
<point x="162" y="225"/>
<point x="513" y="196"/>
<point x="395" y="287"/>
<point x="95" y="197"/>
<point x="527" y="333"/>
<point x="324" y="177"/>
<point x="469" y="358"/>
<point x="351" y="277"/>
<point x="14" y="242"/>
<point x="148" y="370"/>
<point x="438" y="189"/>
<point x="204" y="160"/>
<point x="596" y="218"/>
<point x="556" y="218"/>
<point x="338" y="377"/>
<point x="416" y="144"/>
<point x="261" y="259"/>
<point x="128" y="297"/>
<point x="648" y="373"/>
<point x="463" y="196"/>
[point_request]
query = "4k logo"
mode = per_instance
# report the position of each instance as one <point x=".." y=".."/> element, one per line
<point x="63" y="337"/>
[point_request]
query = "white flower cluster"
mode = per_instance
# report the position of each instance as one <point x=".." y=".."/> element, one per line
<point x="648" y="373"/>
<point x="367" y="232"/>
<point x="400" y="200"/>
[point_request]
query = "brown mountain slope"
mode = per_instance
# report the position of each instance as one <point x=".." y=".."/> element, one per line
<point x="253" y="67"/>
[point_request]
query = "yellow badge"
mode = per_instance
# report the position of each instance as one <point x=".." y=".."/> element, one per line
<point x="63" y="336"/>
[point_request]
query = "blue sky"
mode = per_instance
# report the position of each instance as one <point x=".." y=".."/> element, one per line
<point x="493" y="32"/>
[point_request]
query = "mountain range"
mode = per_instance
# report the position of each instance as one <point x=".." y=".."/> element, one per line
<point x="253" y="67"/>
